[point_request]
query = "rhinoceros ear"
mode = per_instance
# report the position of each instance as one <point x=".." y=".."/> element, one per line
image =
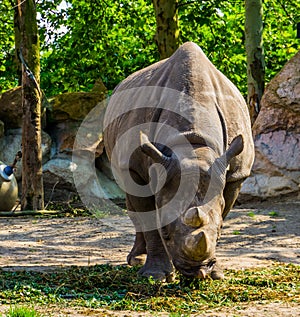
<point x="149" y="149"/>
<point x="235" y="148"/>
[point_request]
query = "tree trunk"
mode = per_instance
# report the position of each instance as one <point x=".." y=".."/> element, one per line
<point x="32" y="179"/>
<point x="255" y="55"/>
<point x="167" y="29"/>
<point x="18" y="42"/>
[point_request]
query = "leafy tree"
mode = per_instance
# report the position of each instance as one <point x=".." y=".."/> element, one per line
<point x="108" y="39"/>
<point x="280" y="42"/>
<point x="8" y="72"/>
<point x="218" y="27"/>
<point x="111" y="39"/>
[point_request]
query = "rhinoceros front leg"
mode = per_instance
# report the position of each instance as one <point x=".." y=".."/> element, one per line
<point x="230" y="194"/>
<point x="138" y="252"/>
<point x="137" y="255"/>
<point x="157" y="264"/>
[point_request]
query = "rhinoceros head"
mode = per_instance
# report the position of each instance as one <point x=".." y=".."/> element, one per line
<point x="191" y="237"/>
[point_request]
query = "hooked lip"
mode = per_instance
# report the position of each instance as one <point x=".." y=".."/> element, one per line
<point x="200" y="271"/>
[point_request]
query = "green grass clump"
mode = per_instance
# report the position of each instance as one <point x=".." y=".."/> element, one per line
<point x="273" y="214"/>
<point x="22" y="311"/>
<point x="251" y="214"/>
<point x="120" y="288"/>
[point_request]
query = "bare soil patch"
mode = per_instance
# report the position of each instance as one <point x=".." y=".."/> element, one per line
<point x="253" y="236"/>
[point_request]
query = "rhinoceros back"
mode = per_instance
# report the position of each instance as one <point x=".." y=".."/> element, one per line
<point x="185" y="93"/>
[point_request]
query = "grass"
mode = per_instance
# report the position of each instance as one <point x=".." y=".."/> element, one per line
<point x="273" y="214"/>
<point x="75" y="208"/>
<point x="119" y="288"/>
<point x="22" y="311"/>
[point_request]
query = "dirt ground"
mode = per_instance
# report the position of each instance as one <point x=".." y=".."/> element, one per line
<point x="254" y="235"/>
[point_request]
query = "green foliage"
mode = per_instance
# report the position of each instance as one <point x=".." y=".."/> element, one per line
<point x="280" y="28"/>
<point x="8" y="76"/>
<point x="251" y="214"/>
<point x="218" y="27"/>
<point x="273" y="214"/>
<point x="119" y="288"/>
<point x="107" y="40"/>
<point x="87" y="40"/>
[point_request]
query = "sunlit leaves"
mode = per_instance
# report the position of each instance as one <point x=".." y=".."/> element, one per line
<point x="82" y="41"/>
<point x="218" y="27"/>
<point x="8" y="77"/>
<point x="107" y="40"/>
<point x="280" y="24"/>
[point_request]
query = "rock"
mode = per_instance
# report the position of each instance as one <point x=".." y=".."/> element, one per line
<point x="276" y="132"/>
<point x="11" y="111"/>
<point x="10" y="144"/>
<point x="1" y="129"/>
<point x="280" y="105"/>
<point x="58" y="175"/>
<point x="76" y="105"/>
<point x="67" y="114"/>
<point x="65" y="133"/>
<point x="60" y="169"/>
<point x="102" y="163"/>
<point x="68" y="111"/>
<point x="58" y="180"/>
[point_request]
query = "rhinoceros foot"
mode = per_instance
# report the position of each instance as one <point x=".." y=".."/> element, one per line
<point x="137" y="255"/>
<point x="217" y="272"/>
<point x="136" y="259"/>
<point x="160" y="271"/>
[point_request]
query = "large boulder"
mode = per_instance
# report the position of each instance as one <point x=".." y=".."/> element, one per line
<point x="67" y="112"/>
<point x="65" y="115"/>
<point x="58" y="180"/>
<point x="1" y="129"/>
<point x="66" y="118"/>
<point x="11" y="111"/>
<point x="276" y="132"/>
<point x="59" y="184"/>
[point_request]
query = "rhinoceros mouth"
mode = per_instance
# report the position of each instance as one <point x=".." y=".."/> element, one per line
<point x="197" y="271"/>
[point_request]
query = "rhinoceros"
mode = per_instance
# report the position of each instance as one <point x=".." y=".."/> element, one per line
<point x="178" y="135"/>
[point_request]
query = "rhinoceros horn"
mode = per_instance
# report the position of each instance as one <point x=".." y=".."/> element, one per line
<point x="195" y="217"/>
<point x="197" y="243"/>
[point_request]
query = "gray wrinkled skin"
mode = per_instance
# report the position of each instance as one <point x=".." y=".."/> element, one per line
<point x="178" y="135"/>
